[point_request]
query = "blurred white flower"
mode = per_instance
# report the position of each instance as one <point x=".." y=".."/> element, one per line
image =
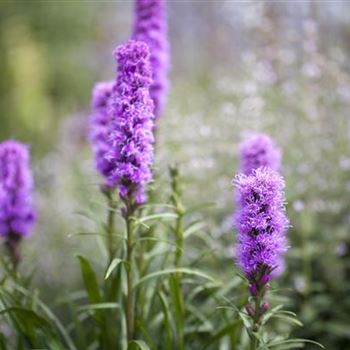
<point x="341" y="249"/>
<point x="298" y="205"/>
<point x="311" y="70"/>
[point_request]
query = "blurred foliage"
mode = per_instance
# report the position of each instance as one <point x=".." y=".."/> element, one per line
<point x="44" y="72"/>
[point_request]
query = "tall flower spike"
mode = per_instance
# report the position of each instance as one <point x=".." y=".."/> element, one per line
<point x="131" y="137"/>
<point x="17" y="213"/>
<point x="99" y="125"/>
<point x="259" y="150"/>
<point x="261" y="222"/>
<point x="150" y="26"/>
<point x="16" y="183"/>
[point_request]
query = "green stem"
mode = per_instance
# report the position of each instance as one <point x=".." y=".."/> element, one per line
<point x="256" y="325"/>
<point x="12" y="244"/>
<point x="130" y="294"/>
<point x="110" y="225"/>
<point x="179" y="239"/>
<point x="258" y="308"/>
<point x="254" y="343"/>
<point x="175" y="282"/>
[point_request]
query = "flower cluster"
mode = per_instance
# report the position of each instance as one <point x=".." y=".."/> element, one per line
<point x="257" y="151"/>
<point x="151" y="27"/>
<point x="131" y="137"/>
<point x="99" y="125"/>
<point x="261" y="222"/>
<point x="16" y="204"/>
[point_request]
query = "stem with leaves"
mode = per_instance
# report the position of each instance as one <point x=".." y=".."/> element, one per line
<point x="112" y="205"/>
<point x="175" y="281"/>
<point x="12" y="243"/>
<point x="258" y="286"/>
<point x="130" y="308"/>
<point x="175" y="198"/>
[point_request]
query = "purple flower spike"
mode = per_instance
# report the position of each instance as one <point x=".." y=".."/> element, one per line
<point x="259" y="151"/>
<point x="261" y="223"/>
<point x="151" y="27"/>
<point x="100" y="124"/>
<point x="16" y="183"/>
<point x="131" y="137"/>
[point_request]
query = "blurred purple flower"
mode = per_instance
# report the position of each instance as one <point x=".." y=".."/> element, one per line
<point x="261" y="222"/>
<point x="257" y="151"/>
<point x="100" y="124"/>
<point x="17" y="213"/>
<point x="151" y="27"/>
<point x="131" y="137"/>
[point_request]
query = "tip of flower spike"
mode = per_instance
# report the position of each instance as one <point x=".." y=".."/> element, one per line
<point x="14" y="147"/>
<point x="134" y="66"/>
<point x="132" y="51"/>
<point x="263" y="177"/>
<point x="259" y="150"/>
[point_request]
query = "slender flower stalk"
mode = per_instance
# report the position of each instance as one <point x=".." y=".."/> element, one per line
<point x="259" y="151"/>
<point x="130" y="304"/>
<point x="17" y="214"/>
<point x="150" y="26"/>
<point x="261" y="223"/>
<point x="175" y="199"/>
<point x="111" y="211"/>
<point x="176" y="280"/>
<point x="131" y="145"/>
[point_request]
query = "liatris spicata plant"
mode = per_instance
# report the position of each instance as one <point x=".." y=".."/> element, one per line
<point x="99" y="126"/>
<point x="150" y="26"/>
<point x="261" y="223"/>
<point x="131" y="139"/>
<point x="17" y="213"/>
<point x="257" y="151"/>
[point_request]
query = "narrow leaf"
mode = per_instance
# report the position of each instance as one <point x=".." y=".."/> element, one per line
<point x="112" y="266"/>
<point x="90" y="280"/>
<point x="138" y="345"/>
<point x="172" y="271"/>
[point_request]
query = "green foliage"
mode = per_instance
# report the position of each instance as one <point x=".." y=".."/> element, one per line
<point x="150" y="295"/>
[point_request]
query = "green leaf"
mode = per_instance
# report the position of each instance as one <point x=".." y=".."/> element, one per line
<point x="271" y="313"/>
<point x="167" y="321"/>
<point x="50" y="316"/>
<point x="90" y="280"/>
<point x="223" y="332"/>
<point x="172" y="271"/>
<point x="112" y="266"/>
<point x="27" y="320"/>
<point x="156" y="239"/>
<point x="26" y="315"/>
<point x="289" y="319"/>
<point x="159" y="216"/>
<point x="294" y="341"/>
<point x="92" y="307"/>
<point x="194" y="227"/>
<point x="246" y="320"/>
<point x="177" y="302"/>
<point x="138" y="345"/>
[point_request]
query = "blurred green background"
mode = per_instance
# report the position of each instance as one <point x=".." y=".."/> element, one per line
<point x="237" y="67"/>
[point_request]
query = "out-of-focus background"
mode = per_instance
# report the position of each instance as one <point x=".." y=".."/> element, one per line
<point x="237" y="67"/>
